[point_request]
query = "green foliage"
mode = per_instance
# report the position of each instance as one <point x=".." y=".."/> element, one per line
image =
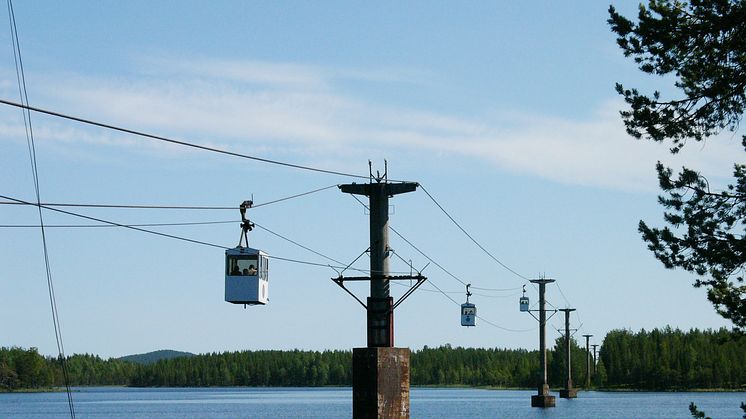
<point x="86" y="370"/>
<point x="249" y="368"/>
<point x="155" y="356"/>
<point x="658" y="360"/>
<point x="696" y="413"/>
<point x="556" y="364"/>
<point x="674" y="360"/>
<point x="701" y="44"/>
<point x="23" y="368"/>
<point x="446" y="365"/>
<point x="27" y="369"/>
<point x="713" y="244"/>
<point x="599" y="378"/>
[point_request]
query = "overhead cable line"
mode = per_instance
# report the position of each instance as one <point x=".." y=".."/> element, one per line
<point x="580" y="319"/>
<point x="563" y="294"/>
<point x="177" y="142"/>
<point x="23" y="92"/>
<point x="170" y="236"/>
<point x="109" y="225"/>
<point x="507" y="329"/>
<point x="246" y="156"/>
<point x="424" y="288"/>
<point x="427" y="257"/>
<point x="416" y="248"/>
<point x="495" y="289"/>
<point x="342" y="264"/>
<point x="303" y="262"/>
<point x="469" y="235"/>
<point x="441" y="266"/>
<point x="126" y="206"/>
<point x="171" y="207"/>
<point x="495" y="296"/>
<point x="553" y="306"/>
<point x="447" y="272"/>
<point x="293" y="196"/>
<point x="158" y="233"/>
<point x="297" y="244"/>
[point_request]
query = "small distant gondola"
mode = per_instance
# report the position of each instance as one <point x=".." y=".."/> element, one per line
<point x="246" y="269"/>
<point x="468" y="311"/>
<point x="523" y="301"/>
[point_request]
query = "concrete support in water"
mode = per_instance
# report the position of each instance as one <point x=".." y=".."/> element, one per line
<point x="587" y="361"/>
<point x="543" y="399"/>
<point x="380" y="383"/>
<point x="380" y="372"/>
<point x="568" y="392"/>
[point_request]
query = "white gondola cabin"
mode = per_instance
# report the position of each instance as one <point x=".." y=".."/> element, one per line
<point x="246" y="276"/>
<point x="468" y="314"/>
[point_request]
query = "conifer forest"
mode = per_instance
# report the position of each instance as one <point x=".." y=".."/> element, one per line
<point x="661" y="359"/>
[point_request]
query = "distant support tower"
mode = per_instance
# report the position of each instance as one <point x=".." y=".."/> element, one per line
<point x="587" y="361"/>
<point x="595" y="362"/>
<point x="568" y="392"/>
<point x="543" y="399"/>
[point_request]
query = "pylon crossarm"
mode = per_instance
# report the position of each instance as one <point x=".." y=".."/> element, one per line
<point x="386" y="277"/>
<point x="562" y="332"/>
<point x="340" y="281"/>
<point x="553" y="313"/>
<point x="351" y="278"/>
<point x="420" y="280"/>
<point x="356" y="259"/>
<point x="576" y="330"/>
<point x="532" y="315"/>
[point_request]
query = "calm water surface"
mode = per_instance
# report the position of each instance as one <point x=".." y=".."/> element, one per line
<point x="105" y="402"/>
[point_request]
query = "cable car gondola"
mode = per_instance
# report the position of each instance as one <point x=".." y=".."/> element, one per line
<point x="246" y="269"/>
<point x="468" y="311"/>
<point x="523" y="301"/>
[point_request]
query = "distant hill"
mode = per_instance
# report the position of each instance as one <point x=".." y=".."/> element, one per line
<point x="155" y="356"/>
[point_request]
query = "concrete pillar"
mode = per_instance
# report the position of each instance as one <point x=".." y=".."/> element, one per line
<point x="543" y="399"/>
<point x="380" y="372"/>
<point x="568" y="392"/>
<point x="380" y="314"/>
<point x="380" y="383"/>
<point x="587" y="361"/>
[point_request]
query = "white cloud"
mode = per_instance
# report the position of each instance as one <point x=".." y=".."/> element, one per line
<point x="279" y="107"/>
<point x="279" y="75"/>
<point x="260" y="73"/>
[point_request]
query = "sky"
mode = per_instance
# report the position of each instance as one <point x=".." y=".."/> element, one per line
<point x="504" y="112"/>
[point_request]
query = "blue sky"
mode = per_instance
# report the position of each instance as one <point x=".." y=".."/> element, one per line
<point x="505" y="112"/>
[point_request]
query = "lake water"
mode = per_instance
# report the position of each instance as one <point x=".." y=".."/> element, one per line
<point x="113" y="402"/>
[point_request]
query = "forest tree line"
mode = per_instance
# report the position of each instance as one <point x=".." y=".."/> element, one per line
<point x="662" y="359"/>
<point x="672" y="359"/>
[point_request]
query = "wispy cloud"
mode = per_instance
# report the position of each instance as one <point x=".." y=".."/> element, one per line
<point x="284" y="106"/>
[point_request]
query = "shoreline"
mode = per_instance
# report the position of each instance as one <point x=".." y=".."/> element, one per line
<point x="427" y="386"/>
